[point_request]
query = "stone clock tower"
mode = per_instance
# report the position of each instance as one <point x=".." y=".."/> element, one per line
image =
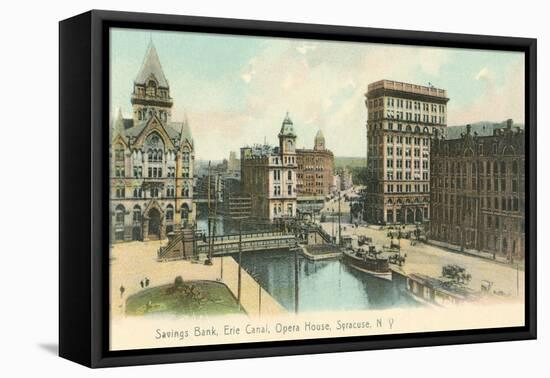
<point x="287" y="138"/>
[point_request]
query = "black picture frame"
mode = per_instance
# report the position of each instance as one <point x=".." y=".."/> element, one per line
<point x="84" y="187"/>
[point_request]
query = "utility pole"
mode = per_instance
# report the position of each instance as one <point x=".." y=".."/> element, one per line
<point x="240" y="266"/>
<point x="209" y="259"/>
<point x="216" y="194"/>
<point x="259" y="299"/>
<point x="351" y="211"/>
<point x="296" y="283"/>
<point x="399" y="240"/>
<point x="339" y="222"/>
<point x="332" y="220"/>
<point x="517" y="279"/>
<point x="256" y="275"/>
<point x="195" y="250"/>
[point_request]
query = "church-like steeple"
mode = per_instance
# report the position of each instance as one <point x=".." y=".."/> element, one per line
<point x="151" y="95"/>
<point x="151" y="66"/>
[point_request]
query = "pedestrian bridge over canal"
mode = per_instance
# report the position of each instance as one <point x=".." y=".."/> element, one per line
<point x="186" y="244"/>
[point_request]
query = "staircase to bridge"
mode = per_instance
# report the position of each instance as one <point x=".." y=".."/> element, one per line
<point x="313" y="234"/>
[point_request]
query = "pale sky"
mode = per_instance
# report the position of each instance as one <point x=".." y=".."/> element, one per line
<point x="236" y="90"/>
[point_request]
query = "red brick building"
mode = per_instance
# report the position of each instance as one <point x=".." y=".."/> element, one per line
<point x="478" y="191"/>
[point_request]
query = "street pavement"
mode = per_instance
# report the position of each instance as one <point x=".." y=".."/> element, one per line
<point x="429" y="260"/>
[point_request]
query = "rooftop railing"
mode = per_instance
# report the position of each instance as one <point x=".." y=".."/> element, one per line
<point x="407" y="87"/>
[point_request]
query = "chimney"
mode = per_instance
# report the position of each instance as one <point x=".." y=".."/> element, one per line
<point x="509" y="123"/>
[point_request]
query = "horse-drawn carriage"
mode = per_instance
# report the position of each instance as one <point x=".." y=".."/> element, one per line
<point x="364" y="240"/>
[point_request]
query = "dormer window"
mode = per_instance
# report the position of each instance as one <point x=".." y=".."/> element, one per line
<point x="151" y="88"/>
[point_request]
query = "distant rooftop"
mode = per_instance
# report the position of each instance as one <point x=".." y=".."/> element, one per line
<point x="260" y="150"/>
<point x="483" y="128"/>
<point x="408" y="87"/>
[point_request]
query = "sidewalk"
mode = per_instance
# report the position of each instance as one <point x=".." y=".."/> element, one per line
<point x="134" y="261"/>
<point x="472" y="252"/>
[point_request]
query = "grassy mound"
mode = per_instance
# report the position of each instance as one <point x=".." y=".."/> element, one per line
<point x="191" y="298"/>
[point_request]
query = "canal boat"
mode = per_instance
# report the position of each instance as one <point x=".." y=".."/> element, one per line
<point x="368" y="261"/>
<point x="432" y="291"/>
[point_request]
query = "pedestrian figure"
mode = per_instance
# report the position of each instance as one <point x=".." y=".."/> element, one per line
<point x="146" y="281"/>
<point x="122" y="290"/>
<point x="141" y="283"/>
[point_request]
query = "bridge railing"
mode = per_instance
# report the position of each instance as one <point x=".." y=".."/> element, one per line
<point x="247" y="235"/>
<point x="249" y="244"/>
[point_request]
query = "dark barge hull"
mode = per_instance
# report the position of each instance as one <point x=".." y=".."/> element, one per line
<point x="378" y="268"/>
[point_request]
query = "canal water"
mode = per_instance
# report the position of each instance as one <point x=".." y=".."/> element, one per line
<point x="327" y="285"/>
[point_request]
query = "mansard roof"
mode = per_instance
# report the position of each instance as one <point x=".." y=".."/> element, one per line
<point x="483" y="128"/>
<point x="485" y="145"/>
<point x="151" y="66"/>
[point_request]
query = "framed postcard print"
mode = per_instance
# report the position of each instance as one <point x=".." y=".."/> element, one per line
<point x="234" y="188"/>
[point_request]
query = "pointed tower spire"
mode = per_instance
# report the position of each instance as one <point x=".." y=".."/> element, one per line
<point x="151" y="93"/>
<point x="151" y="66"/>
<point x="185" y="131"/>
<point x="118" y="125"/>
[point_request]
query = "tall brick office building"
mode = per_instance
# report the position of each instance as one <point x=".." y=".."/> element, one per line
<point x="401" y="119"/>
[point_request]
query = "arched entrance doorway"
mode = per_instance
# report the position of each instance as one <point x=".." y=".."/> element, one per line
<point x="419" y="215"/>
<point x="410" y="216"/>
<point x="136" y="220"/>
<point x="120" y="220"/>
<point x="154" y="224"/>
<point x="136" y="233"/>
